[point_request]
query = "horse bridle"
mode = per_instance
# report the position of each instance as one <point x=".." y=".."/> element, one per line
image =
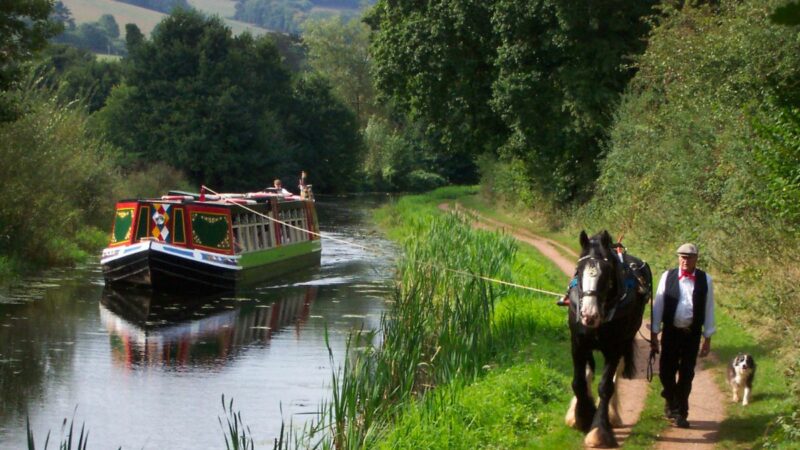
<point x="594" y="292"/>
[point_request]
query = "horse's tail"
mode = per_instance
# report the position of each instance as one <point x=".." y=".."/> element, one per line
<point x="629" y="355"/>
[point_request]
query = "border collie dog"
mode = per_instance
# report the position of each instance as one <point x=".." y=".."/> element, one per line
<point x="741" y="373"/>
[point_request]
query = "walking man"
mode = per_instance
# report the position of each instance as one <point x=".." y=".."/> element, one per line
<point x="684" y="302"/>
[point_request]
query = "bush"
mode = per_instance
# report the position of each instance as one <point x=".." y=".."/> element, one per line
<point x="57" y="183"/>
<point x="421" y="181"/>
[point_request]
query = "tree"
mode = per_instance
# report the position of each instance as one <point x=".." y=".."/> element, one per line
<point x="61" y="14"/>
<point x="434" y="60"/>
<point x="224" y="110"/>
<point x="24" y="29"/>
<point x="561" y="68"/>
<point x="339" y="51"/>
<point x="75" y="74"/>
<point x="202" y="100"/>
<point x="325" y="135"/>
<point x="533" y="81"/>
<point x="109" y="25"/>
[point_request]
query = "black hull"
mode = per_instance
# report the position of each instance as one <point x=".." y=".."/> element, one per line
<point x="164" y="272"/>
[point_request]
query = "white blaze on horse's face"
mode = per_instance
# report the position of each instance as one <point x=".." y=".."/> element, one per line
<point x="590" y="312"/>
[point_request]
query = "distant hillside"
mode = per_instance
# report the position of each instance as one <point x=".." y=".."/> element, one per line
<point x="288" y="16"/>
<point x="90" y="10"/>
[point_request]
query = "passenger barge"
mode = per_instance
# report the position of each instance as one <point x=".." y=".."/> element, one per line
<point x="186" y="241"/>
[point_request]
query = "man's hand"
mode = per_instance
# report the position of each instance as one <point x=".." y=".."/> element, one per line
<point x="654" y="342"/>
<point x="705" y="349"/>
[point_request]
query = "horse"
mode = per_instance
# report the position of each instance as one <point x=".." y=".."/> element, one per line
<point x="607" y="299"/>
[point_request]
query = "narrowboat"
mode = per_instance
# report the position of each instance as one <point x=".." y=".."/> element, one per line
<point x="188" y="241"/>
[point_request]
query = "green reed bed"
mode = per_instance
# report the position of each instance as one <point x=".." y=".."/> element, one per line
<point x="438" y="329"/>
<point x="447" y="329"/>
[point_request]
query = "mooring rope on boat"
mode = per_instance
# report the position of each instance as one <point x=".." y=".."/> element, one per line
<point x="456" y="271"/>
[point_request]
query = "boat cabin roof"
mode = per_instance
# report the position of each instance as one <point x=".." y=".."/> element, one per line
<point x="223" y="199"/>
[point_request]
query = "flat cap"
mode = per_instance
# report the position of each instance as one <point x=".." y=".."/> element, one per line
<point x="687" y="249"/>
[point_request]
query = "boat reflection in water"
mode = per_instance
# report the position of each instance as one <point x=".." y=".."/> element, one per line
<point x="151" y="329"/>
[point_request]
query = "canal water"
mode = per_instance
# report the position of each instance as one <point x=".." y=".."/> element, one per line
<point x="148" y="372"/>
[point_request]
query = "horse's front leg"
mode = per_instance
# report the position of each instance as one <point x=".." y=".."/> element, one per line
<point x="581" y="409"/>
<point x="601" y="434"/>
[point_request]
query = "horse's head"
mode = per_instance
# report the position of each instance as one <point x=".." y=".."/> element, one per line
<point x="597" y="279"/>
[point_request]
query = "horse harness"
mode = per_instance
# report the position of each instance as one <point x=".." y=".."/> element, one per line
<point x="624" y="299"/>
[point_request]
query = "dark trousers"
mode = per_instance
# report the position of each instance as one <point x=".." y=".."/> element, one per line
<point x="678" y="357"/>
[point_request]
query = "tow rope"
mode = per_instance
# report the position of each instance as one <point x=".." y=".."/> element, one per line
<point x="326" y="236"/>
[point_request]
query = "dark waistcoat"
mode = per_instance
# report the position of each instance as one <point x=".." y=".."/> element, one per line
<point x="672" y="295"/>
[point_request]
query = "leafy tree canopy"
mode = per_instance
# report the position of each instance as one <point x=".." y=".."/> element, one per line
<point x="24" y="29"/>
<point x="220" y="107"/>
<point x="534" y="81"/>
<point x="339" y="51"/>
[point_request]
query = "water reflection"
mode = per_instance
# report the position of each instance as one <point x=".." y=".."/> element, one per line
<point x="152" y="329"/>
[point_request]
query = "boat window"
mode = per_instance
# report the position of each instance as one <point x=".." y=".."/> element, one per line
<point x="143" y="224"/>
<point x="178" y="231"/>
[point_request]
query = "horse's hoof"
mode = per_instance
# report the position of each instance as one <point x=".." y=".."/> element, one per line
<point x="570" y="419"/>
<point x="597" y="438"/>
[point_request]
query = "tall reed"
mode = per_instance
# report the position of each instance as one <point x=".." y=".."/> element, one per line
<point x="241" y="438"/>
<point x="67" y="441"/>
<point x="438" y="330"/>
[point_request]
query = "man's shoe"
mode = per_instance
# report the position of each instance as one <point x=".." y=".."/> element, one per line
<point x="681" y="422"/>
<point x="670" y="414"/>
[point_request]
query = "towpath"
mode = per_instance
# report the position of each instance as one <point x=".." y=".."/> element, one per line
<point x="706" y="403"/>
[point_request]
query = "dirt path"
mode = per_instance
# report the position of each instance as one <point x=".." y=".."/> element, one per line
<point x="706" y="403"/>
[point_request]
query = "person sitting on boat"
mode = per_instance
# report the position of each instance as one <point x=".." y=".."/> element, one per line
<point x="279" y="187"/>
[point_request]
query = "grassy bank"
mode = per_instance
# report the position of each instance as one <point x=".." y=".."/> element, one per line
<point x="771" y="420"/>
<point x="462" y="363"/>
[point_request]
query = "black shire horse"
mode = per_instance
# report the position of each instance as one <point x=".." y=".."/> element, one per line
<point x="607" y="301"/>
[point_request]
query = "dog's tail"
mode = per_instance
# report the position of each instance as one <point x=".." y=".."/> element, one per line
<point x="629" y="355"/>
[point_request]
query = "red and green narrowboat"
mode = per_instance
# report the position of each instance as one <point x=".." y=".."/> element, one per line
<point x="187" y="241"/>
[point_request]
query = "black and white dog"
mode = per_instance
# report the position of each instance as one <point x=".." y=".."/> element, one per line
<point x="741" y="373"/>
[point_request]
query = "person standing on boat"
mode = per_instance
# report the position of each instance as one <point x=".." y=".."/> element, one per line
<point x="305" y="188"/>
<point x="302" y="183"/>
<point x="279" y="187"/>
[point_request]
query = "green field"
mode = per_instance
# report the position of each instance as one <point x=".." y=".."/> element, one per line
<point x="146" y="20"/>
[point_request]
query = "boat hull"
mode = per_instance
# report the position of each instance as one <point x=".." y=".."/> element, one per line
<point x="169" y="268"/>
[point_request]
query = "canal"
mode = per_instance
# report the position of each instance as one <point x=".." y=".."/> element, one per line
<point x="143" y="371"/>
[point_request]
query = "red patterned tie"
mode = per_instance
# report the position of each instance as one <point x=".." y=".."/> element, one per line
<point x="684" y="274"/>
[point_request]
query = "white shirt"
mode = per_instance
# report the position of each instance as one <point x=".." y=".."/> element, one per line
<point x="685" y="311"/>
